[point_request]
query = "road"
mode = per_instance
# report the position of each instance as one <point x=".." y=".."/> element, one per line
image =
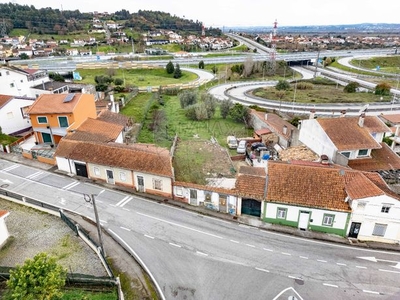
<point x="192" y="256"/>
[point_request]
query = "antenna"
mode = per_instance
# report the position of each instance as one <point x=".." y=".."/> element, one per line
<point x="363" y="109"/>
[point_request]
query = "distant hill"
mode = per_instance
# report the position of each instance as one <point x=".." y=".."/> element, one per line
<point x="365" y="28"/>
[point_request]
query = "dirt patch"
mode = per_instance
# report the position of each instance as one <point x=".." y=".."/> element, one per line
<point x="195" y="160"/>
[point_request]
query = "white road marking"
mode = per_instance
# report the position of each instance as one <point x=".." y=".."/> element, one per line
<point x="34" y="174"/>
<point x="181" y="226"/>
<point x="361" y="267"/>
<point x="262" y="270"/>
<point x="101" y="192"/>
<point x="125" y="202"/>
<point x="304" y="257"/>
<point x="370" y="292"/>
<point x="321" y="260"/>
<point x="389" y="271"/>
<point x="341" y="264"/>
<point x="120" y="203"/>
<point x="252" y="246"/>
<point x="331" y="285"/>
<point x="201" y="253"/>
<point x="71" y="185"/>
<point x="285" y="290"/>
<point x="233" y="241"/>
<point x="270" y="250"/>
<point x="126" y="209"/>
<point x="285" y="253"/>
<point x="103" y="221"/>
<point x="294" y="277"/>
<point x="11" y="168"/>
<point x="124" y="228"/>
<point x="149" y="236"/>
<point x="175" y="245"/>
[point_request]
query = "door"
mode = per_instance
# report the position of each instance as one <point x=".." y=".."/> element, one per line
<point x="46" y="138"/>
<point x="251" y="207"/>
<point x="193" y="197"/>
<point x="304" y="219"/>
<point x="354" y="229"/>
<point x="222" y="203"/>
<point x="81" y="170"/>
<point x="140" y="181"/>
<point x="110" y="176"/>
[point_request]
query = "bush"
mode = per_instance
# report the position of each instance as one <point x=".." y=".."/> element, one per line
<point x="304" y="86"/>
<point x="170" y="67"/>
<point x="282" y="85"/>
<point x="187" y="98"/>
<point x="351" y="87"/>
<point x="382" y="89"/>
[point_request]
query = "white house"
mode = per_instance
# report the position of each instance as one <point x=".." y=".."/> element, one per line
<point x="13" y="117"/>
<point x="18" y="82"/>
<point x="143" y="167"/>
<point x="4" y="234"/>
<point x="375" y="209"/>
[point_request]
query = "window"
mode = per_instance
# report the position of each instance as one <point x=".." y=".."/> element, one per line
<point x="23" y="112"/>
<point x="328" y="220"/>
<point x="281" y="213"/>
<point x="379" y="229"/>
<point x="63" y="121"/>
<point x="157" y="184"/>
<point x="361" y="205"/>
<point x="122" y="176"/>
<point x="12" y="85"/>
<point x="96" y="171"/>
<point x="363" y="152"/>
<point x="347" y="154"/>
<point x="42" y="120"/>
<point x="178" y="191"/>
<point x="207" y="196"/>
<point x="385" y="208"/>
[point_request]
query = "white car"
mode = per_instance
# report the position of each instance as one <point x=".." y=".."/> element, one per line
<point x="232" y="142"/>
<point x="241" y="148"/>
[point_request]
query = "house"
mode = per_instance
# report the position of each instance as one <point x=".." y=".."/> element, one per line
<point x="145" y="168"/>
<point x="308" y="196"/>
<point x="215" y="198"/>
<point x="285" y="133"/>
<point x="394" y="121"/>
<point x="375" y="209"/>
<point x="53" y="115"/>
<point x="4" y="234"/>
<point x="350" y="141"/>
<point x="18" y="82"/>
<point x="13" y="117"/>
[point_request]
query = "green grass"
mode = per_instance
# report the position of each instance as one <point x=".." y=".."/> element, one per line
<point x="136" y="107"/>
<point x="138" y="77"/>
<point x="7" y="139"/>
<point x="79" y="295"/>
<point x="387" y="64"/>
<point x="320" y="94"/>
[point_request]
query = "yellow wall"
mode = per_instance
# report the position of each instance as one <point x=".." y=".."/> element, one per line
<point x="86" y="108"/>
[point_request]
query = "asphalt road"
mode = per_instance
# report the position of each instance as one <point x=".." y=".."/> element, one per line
<point x="192" y="256"/>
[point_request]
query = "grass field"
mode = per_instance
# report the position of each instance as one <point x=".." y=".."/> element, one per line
<point x="6" y="139"/>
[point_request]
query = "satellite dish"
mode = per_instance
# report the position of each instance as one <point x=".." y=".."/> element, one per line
<point x="363" y="109"/>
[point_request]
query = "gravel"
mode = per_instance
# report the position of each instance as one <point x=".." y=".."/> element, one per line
<point x="32" y="231"/>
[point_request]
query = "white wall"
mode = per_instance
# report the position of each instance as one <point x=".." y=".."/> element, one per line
<point x="4" y="234"/>
<point x="315" y="138"/>
<point x="65" y="165"/>
<point x="20" y="82"/>
<point x="121" y="176"/>
<point x="11" y="118"/>
<point x="148" y="182"/>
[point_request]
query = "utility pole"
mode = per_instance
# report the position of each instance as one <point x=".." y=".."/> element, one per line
<point x="316" y="65"/>
<point x="91" y="199"/>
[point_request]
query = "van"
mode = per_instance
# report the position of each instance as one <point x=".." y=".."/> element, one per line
<point x="232" y="142"/>
<point x="241" y="148"/>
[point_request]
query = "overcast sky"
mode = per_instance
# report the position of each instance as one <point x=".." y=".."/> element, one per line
<point x="218" y="13"/>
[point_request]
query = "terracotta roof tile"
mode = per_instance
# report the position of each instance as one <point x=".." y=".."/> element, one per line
<point x="358" y="186"/>
<point x="54" y="103"/>
<point x="95" y="130"/>
<point x="380" y="160"/>
<point x="137" y="157"/>
<point x="4" y="100"/>
<point x="346" y="134"/>
<point x="251" y="186"/>
<point x="112" y="117"/>
<point x="306" y="186"/>
<point x="393" y="118"/>
<point x="274" y="122"/>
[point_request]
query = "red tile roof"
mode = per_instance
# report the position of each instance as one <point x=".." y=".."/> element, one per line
<point x="380" y="160"/>
<point x="137" y="157"/>
<point x="346" y="134"/>
<point x="112" y="117"/>
<point x="393" y="118"/>
<point x="4" y="100"/>
<point x="54" y="103"/>
<point x="3" y="213"/>
<point x="274" y="122"/>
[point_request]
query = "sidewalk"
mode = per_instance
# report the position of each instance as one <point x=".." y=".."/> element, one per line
<point x="244" y="219"/>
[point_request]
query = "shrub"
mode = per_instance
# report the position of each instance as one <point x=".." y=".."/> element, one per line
<point x="351" y="87"/>
<point x="382" y="89"/>
<point x="304" y="86"/>
<point x="282" y="85"/>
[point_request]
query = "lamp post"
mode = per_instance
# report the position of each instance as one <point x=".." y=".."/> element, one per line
<point x="91" y="199"/>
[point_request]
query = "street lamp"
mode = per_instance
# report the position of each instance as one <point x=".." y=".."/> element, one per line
<point x="90" y="199"/>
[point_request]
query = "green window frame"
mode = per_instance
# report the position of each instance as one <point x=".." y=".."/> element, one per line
<point x="63" y="121"/>
<point x="281" y="213"/>
<point x="328" y="220"/>
<point x="42" y="120"/>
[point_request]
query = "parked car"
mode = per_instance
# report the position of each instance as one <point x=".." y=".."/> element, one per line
<point x="257" y="145"/>
<point x="241" y="148"/>
<point x="232" y="142"/>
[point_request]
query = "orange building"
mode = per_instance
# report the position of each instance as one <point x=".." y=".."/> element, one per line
<point x="53" y="115"/>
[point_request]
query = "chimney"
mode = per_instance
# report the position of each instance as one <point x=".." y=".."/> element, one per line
<point x="361" y="120"/>
<point x="312" y="114"/>
<point x="112" y="98"/>
<point x="284" y="129"/>
<point x="343" y="113"/>
<point x="266" y="117"/>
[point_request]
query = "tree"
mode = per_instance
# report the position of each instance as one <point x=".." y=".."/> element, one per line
<point x="351" y="87"/>
<point x="170" y="67"/>
<point x="23" y="56"/>
<point x="240" y="113"/>
<point x="177" y="72"/>
<point x="118" y="81"/>
<point x="382" y="89"/>
<point x="39" y="278"/>
<point x="224" y="107"/>
<point x="201" y="64"/>
<point x="282" y="85"/>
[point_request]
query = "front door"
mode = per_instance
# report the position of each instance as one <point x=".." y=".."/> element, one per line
<point x="81" y="170"/>
<point x="110" y="176"/>
<point x="193" y="197"/>
<point x="354" y="229"/>
<point x="140" y="182"/>
<point x="304" y="219"/>
<point x="222" y="203"/>
<point x="46" y="138"/>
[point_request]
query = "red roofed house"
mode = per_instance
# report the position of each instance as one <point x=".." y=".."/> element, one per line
<point x="53" y="115"/>
<point x="145" y="168"/>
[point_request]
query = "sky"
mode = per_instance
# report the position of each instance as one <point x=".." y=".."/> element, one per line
<point x="218" y="13"/>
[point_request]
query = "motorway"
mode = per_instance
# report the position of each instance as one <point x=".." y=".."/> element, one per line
<point x="192" y="256"/>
